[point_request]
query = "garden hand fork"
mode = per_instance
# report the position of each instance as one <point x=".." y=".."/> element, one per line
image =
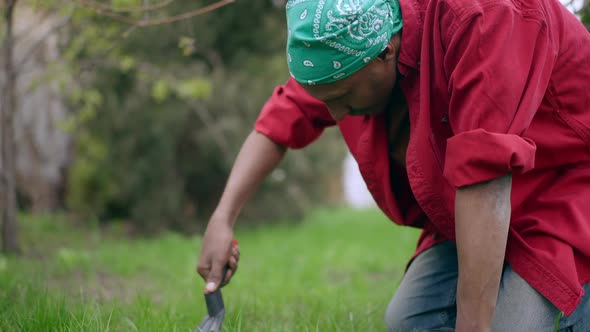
<point x="215" y="309"/>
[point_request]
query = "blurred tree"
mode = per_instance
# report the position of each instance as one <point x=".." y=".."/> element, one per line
<point x="10" y="243"/>
<point x="167" y="108"/>
<point x="14" y="63"/>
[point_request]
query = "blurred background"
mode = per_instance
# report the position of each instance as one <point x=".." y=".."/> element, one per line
<point x="132" y="111"/>
<point x="119" y="124"/>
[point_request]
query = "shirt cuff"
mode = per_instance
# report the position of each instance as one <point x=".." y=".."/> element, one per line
<point x="477" y="156"/>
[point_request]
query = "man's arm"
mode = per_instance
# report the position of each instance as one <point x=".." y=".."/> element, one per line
<point x="482" y="217"/>
<point x="257" y="159"/>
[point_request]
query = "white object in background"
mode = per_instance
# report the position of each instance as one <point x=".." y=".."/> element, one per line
<point x="356" y="193"/>
<point x="573" y="5"/>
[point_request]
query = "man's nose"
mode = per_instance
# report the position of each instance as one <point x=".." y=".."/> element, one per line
<point x="338" y="112"/>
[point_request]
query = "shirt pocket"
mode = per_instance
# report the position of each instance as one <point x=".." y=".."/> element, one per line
<point x="577" y="126"/>
<point x="573" y="121"/>
<point x="440" y="132"/>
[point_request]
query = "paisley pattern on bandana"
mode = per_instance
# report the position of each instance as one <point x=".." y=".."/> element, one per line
<point x="330" y="40"/>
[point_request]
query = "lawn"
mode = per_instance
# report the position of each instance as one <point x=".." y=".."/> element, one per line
<point x="336" y="271"/>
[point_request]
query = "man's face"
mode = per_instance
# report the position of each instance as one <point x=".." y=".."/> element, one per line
<point x="365" y="92"/>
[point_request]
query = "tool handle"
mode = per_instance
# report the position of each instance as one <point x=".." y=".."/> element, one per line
<point x="214" y="300"/>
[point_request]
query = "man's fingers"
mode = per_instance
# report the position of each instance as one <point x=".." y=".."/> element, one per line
<point x="203" y="271"/>
<point x="230" y="273"/>
<point x="233" y="263"/>
<point x="233" y="266"/>
<point x="235" y="252"/>
<point x="214" y="277"/>
<point x="211" y="269"/>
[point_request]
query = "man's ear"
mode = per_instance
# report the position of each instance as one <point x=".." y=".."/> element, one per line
<point x="390" y="52"/>
<point x="383" y="54"/>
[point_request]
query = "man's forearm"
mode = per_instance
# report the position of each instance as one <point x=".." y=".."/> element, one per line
<point x="482" y="218"/>
<point x="257" y="158"/>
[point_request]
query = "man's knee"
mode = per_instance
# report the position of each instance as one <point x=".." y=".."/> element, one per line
<point x="396" y="323"/>
<point x="408" y="324"/>
<point x="399" y="319"/>
<point x="425" y="299"/>
<point x="398" y="315"/>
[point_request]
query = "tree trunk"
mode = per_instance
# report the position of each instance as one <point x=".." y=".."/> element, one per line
<point x="10" y="242"/>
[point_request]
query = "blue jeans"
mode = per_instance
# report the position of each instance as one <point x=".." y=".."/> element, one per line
<point x="426" y="300"/>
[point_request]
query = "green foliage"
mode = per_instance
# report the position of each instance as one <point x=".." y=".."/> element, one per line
<point x="194" y="89"/>
<point x="189" y="90"/>
<point x="343" y="267"/>
<point x="90" y="186"/>
<point x="160" y="91"/>
<point x="118" y="4"/>
<point x="585" y="16"/>
<point x="161" y="112"/>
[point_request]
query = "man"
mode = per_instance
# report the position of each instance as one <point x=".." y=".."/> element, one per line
<point x="469" y="119"/>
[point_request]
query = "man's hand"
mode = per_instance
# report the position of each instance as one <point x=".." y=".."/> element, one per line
<point x="219" y="248"/>
<point x="482" y="219"/>
<point x="258" y="157"/>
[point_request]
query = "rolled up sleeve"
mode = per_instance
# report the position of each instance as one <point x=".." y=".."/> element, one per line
<point x="478" y="155"/>
<point x="498" y="63"/>
<point x="291" y="117"/>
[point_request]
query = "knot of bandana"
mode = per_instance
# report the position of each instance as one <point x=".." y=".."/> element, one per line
<point x="329" y="40"/>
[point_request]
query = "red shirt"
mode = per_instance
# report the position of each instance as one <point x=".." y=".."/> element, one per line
<point x="492" y="87"/>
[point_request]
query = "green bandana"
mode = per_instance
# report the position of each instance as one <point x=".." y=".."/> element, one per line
<point x="332" y="39"/>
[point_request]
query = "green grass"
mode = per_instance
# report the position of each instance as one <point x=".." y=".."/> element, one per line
<point x="335" y="272"/>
